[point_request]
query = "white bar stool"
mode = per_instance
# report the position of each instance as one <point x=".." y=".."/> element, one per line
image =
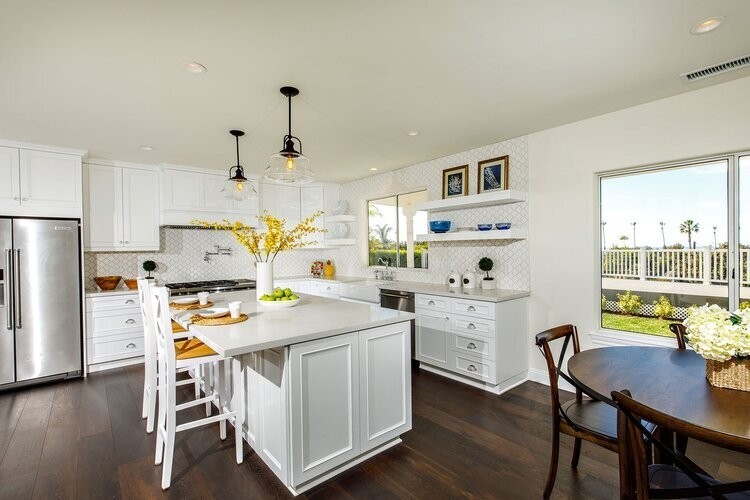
<point x="150" y="378"/>
<point x="189" y="354"/>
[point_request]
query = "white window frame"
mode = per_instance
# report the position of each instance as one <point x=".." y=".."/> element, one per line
<point x="609" y="337"/>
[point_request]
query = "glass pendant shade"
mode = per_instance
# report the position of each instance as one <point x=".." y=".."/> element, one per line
<point x="237" y="187"/>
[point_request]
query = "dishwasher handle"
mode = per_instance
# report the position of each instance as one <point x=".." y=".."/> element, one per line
<point x="397" y="294"/>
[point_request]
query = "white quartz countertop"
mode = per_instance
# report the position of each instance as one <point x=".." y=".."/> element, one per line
<point x="110" y="293"/>
<point x="313" y="318"/>
<point x="499" y="295"/>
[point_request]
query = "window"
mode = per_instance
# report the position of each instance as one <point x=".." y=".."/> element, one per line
<point x="671" y="237"/>
<point x="393" y="224"/>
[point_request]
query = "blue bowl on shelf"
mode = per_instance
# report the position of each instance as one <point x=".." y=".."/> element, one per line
<point x="484" y="227"/>
<point x="502" y="225"/>
<point x="440" y="226"/>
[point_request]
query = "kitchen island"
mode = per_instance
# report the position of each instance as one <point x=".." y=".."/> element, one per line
<point x="327" y="383"/>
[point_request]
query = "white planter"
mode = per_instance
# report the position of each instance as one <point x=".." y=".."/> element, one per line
<point x="488" y="284"/>
<point x="264" y="278"/>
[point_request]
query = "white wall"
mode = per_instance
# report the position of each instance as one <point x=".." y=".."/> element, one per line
<point x="563" y="162"/>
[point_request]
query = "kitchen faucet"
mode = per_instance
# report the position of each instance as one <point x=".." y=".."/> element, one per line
<point x="387" y="273"/>
<point x="220" y="250"/>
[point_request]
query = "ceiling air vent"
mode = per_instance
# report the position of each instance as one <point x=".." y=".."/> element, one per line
<point x="716" y="69"/>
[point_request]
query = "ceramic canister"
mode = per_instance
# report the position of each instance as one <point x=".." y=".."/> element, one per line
<point x="469" y="279"/>
<point x="454" y="280"/>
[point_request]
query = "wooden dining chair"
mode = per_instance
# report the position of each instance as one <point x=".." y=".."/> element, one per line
<point x="679" y="332"/>
<point x="583" y="419"/>
<point x="679" y="477"/>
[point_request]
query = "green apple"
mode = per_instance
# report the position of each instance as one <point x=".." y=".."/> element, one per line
<point x="284" y="298"/>
<point x="293" y="297"/>
<point x="287" y="292"/>
<point x="278" y="293"/>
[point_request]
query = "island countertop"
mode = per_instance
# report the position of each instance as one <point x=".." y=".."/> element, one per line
<point x="313" y="318"/>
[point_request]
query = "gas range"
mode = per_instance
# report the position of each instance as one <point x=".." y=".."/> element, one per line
<point x="210" y="286"/>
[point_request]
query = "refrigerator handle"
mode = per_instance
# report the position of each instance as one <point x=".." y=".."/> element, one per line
<point x="17" y="284"/>
<point x="10" y="306"/>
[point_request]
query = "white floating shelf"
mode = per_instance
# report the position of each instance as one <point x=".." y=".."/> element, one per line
<point x="494" y="234"/>
<point x="341" y="241"/>
<point x="499" y="197"/>
<point x="340" y="218"/>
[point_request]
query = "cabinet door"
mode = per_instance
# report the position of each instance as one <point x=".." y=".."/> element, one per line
<point x="9" y="186"/>
<point x="288" y="204"/>
<point x="312" y="199"/>
<point x="385" y="384"/>
<point x="102" y="214"/>
<point x="432" y="338"/>
<point x="182" y="190"/>
<point x="213" y="198"/>
<point x="51" y="180"/>
<point x="324" y="389"/>
<point x="140" y="209"/>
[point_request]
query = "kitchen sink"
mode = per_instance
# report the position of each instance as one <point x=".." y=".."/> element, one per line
<point x="366" y="290"/>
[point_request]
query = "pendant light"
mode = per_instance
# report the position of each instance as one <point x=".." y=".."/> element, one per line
<point x="237" y="187"/>
<point x="289" y="166"/>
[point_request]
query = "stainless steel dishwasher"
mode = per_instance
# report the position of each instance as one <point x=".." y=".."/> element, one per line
<point x="401" y="301"/>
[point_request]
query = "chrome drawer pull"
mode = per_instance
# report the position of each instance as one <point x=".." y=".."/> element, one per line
<point x="431" y="303"/>
<point x="447" y="318"/>
<point x="471" y="326"/>
<point x="471" y="368"/>
<point x="130" y="346"/>
<point x="471" y="345"/>
<point x="470" y="308"/>
<point x="130" y="301"/>
<point x="130" y="321"/>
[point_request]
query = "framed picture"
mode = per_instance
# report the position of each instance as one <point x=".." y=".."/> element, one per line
<point x="493" y="174"/>
<point x="456" y="181"/>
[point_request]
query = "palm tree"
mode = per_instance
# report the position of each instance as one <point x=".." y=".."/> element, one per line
<point x="663" y="240"/>
<point x="633" y="224"/>
<point x="689" y="227"/>
<point x="624" y="240"/>
<point x="382" y="233"/>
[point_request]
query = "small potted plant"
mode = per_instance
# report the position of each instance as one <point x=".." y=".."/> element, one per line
<point x="486" y="265"/>
<point x="148" y="266"/>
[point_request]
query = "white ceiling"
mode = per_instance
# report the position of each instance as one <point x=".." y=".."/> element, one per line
<point x="107" y="75"/>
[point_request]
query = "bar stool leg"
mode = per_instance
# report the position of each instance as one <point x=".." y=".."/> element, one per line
<point x="171" y="431"/>
<point x="219" y="390"/>
<point x="161" y="426"/>
<point x="238" y="391"/>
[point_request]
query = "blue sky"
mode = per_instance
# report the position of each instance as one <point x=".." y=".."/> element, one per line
<point x="670" y="196"/>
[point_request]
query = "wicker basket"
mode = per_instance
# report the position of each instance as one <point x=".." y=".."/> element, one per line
<point x="732" y="374"/>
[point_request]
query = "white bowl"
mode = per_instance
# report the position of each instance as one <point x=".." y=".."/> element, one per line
<point x="214" y="312"/>
<point x="186" y="300"/>
<point x="278" y="304"/>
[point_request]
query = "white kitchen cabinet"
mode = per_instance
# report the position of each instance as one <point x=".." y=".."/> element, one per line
<point x="282" y="202"/>
<point x="114" y="328"/>
<point x="432" y="338"/>
<point x="478" y="340"/>
<point x="312" y="199"/>
<point x="297" y="286"/>
<point x="40" y="183"/>
<point x="121" y="209"/>
<point x="385" y="383"/>
<point x="324" y="289"/>
<point x="325" y="410"/>
<point x="191" y="194"/>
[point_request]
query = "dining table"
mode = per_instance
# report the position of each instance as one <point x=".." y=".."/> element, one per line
<point x="669" y="380"/>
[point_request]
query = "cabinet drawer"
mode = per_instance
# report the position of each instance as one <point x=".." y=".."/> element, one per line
<point x="432" y="302"/>
<point x="325" y="289"/>
<point x="116" y="302"/>
<point x="117" y="323"/>
<point x="120" y="347"/>
<point x="475" y="308"/>
<point x="476" y="346"/>
<point x="473" y="326"/>
<point x="472" y="367"/>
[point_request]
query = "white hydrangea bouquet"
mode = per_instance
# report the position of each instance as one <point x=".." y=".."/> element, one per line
<point x="723" y="339"/>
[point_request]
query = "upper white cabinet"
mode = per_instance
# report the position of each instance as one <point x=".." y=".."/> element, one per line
<point x="189" y="194"/>
<point x="121" y="209"/>
<point x="40" y="183"/>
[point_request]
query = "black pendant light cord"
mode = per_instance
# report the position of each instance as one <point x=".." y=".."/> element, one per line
<point x="237" y="138"/>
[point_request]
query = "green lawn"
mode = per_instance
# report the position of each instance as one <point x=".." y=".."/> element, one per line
<point x="653" y="326"/>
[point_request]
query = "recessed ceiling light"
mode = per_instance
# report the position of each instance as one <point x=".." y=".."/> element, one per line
<point x="194" y="67"/>
<point x="373" y="168"/>
<point x="706" y="25"/>
<point x="146" y="148"/>
<point x="412" y="133"/>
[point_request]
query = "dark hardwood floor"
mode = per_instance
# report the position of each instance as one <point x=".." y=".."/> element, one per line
<point x="85" y="439"/>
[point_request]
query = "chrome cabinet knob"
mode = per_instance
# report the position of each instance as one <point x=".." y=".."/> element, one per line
<point x="471" y="368"/>
<point x="471" y="326"/>
<point x="130" y="346"/>
<point x="130" y="301"/>
<point x="126" y="241"/>
<point x="130" y="321"/>
<point x="470" y="308"/>
<point x="471" y="345"/>
<point x="24" y="199"/>
<point x="16" y="198"/>
<point x="431" y="303"/>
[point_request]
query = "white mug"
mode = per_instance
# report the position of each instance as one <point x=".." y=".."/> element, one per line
<point x="235" y="308"/>
<point x="203" y="298"/>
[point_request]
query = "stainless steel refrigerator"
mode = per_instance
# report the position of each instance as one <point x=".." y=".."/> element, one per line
<point x="40" y="300"/>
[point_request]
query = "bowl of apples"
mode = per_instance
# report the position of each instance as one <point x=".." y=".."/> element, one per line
<point x="279" y="298"/>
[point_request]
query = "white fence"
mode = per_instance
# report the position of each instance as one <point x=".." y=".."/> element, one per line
<point x="706" y="266"/>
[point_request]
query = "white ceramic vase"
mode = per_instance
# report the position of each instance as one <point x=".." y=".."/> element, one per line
<point x="264" y="278"/>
